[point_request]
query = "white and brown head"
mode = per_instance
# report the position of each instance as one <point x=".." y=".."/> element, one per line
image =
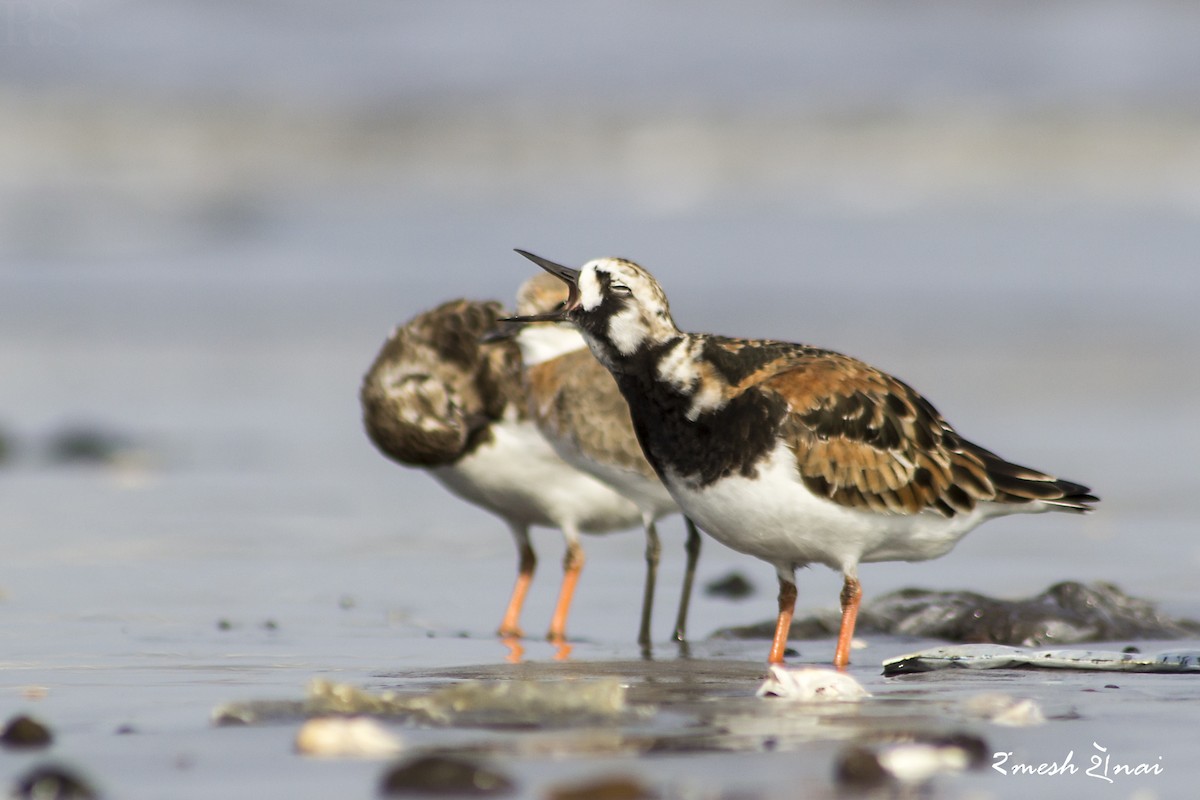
<point x="617" y="305"/>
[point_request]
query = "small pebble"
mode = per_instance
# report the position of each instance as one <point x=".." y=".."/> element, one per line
<point x="858" y="769"/>
<point x="1004" y="709"/>
<point x="616" y="788"/>
<point x="85" y="444"/>
<point x="51" y="782"/>
<point x="444" y="775"/>
<point x="733" y="586"/>
<point x="346" y="737"/>
<point x="22" y="732"/>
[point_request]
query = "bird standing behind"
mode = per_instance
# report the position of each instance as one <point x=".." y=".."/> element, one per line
<point x="790" y="453"/>
<point x="438" y="399"/>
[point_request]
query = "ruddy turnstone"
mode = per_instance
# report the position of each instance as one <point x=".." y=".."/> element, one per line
<point x="579" y="409"/>
<point x="791" y="453"/>
<point x="438" y="399"/>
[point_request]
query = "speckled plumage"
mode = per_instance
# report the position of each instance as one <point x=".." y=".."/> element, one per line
<point x="437" y="398"/>
<point x="432" y="392"/>
<point x="791" y="453"/>
<point x="575" y="400"/>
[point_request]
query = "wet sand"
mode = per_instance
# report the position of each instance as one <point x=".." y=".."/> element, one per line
<point x="139" y="609"/>
<point x="139" y="724"/>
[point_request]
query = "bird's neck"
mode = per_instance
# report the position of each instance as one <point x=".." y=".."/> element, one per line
<point x="622" y="359"/>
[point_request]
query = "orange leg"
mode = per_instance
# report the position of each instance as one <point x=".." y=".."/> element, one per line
<point x="572" y="566"/>
<point x="851" y="596"/>
<point x="516" y="650"/>
<point x="783" y="625"/>
<point x="511" y="626"/>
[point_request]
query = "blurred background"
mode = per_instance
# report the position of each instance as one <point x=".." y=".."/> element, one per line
<point x="212" y="213"/>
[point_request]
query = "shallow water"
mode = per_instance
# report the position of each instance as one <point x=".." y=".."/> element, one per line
<point x="210" y="217"/>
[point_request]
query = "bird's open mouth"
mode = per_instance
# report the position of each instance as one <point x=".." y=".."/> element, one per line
<point x="565" y="274"/>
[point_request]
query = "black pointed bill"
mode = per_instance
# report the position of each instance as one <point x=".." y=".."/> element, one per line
<point x="506" y="330"/>
<point x="565" y="274"/>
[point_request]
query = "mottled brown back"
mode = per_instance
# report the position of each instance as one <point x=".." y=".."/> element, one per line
<point x="574" y="396"/>
<point x="867" y="440"/>
<point x="434" y="389"/>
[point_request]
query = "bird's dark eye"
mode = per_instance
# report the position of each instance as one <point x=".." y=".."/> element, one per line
<point x="560" y="305"/>
<point x="619" y="288"/>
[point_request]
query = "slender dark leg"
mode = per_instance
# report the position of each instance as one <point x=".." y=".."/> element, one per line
<point x="653" y="552"/>
<point x="692" y="548"/>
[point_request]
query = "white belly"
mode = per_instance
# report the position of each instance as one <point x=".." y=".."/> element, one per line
<point x="646" y="492"/>
<point x="518" y="476"/>
<point x="774" y="517"/>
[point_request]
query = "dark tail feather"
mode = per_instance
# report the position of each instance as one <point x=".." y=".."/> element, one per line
<point x="1017" y="484"/>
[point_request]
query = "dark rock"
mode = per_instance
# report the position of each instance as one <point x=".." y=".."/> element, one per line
<point x="22" y="732"/>
<point x="618" y="788"/>
<point x="52" y="782"/>
<point x="86" y="444"/>
<point x="1066" y="613"/>
<point x="733" y="586"/>
<point x="444" y="775"/>
<point x="859" y="770"/>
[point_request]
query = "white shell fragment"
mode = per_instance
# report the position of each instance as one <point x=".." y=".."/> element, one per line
<point x="346" y="737"/>
<point x="917" y="762"/>
<point x="1004" y="709"/>
<point x="810" y="684"/>
<point x="995" y="656"/>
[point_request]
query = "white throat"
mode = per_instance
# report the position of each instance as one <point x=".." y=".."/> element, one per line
<point x="545" y="341"/>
